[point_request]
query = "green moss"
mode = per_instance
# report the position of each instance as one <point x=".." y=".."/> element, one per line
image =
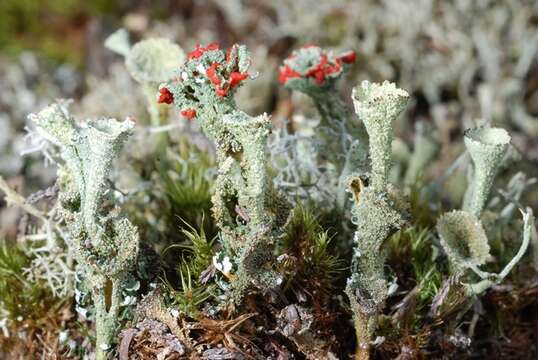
<point x="421" y="266"/>
<point x="188" y="186"/>
<point x="22" y="26"/>
<point x="19" y="297"/>
<point x="190" y="295"/>
<point x="308" y="258"/>
<point x="196" y="257"/>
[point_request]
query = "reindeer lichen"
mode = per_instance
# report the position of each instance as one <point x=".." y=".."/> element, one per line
<point x="315" y="72"/>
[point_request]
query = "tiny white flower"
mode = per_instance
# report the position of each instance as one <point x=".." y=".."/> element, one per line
<point x="393" y="287"/>
<point x="72" y="344"/>
<point x="78" y="295"/>
<point x="378" y="340"/>
<point x="184" y="76"/>
<point x="3" y="327"/>
<point x="104" y="346"/>
<point x="129" y="300"/>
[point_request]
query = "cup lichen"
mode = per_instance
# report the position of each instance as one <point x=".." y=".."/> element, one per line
<point x="379" y="210"/>
<point x="487" y="147"/>
<point x="244" y="201"/>
<point x="105" y="245"/>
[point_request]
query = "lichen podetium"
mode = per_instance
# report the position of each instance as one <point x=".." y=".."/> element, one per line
<point x="105" y="245"/>
<point x="248" y="211"/>
<point x="379" y="209"/>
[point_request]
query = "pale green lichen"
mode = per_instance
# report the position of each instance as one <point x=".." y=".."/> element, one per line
<point x="487" y="147"/>
<point x="249" y="213"/>
<point x="378" y="105"/>
<point x="119" y="42"/>
<point x="150" y="62"/>
<point x="426" y="145"/>
<point x="463" y="238"/>
<point x="315" y="72"/>
<point x="379" y="209"/>
<point x="105" y="245"/>
<point x="154" y="60"/>
<point x="466" y="245"/>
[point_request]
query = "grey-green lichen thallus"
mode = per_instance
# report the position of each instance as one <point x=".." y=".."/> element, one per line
<point x="487" y="147"/>
<point x="248" y="211"/>
<point x="461" y="232"/>
<point x="104" y="243"/>
<point x="466" y="245"/>
<point x="464" y="240"/>
<point x="316" y="73"/>
<point x="150" y="62"/>
<point x="379" y="209"/>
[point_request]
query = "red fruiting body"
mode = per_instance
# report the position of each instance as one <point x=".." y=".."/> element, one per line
<point x="213" y="46"/>
<point x="318" y="71"/>
<point x="233" y="79"/>
<point x="200" y="50"/>
<point x="165" y="96"/>
<point x="211" y="73"/>
<point x="221" y="92"/>
<point x="348" y="57"/>
<point x="236" y="78"/>
<point x="196" y="53"/>
<point x="333" y="69"/>
<point x="287" y="73"/>
<point x="189" y="113"/>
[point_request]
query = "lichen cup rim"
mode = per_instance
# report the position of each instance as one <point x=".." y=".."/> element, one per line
<point x="154" y="60"/>
<point x="110" y="128"/>
<point x="488" y="136"/>
<point x="461" y="228"/>
<point x="370" y="91"/>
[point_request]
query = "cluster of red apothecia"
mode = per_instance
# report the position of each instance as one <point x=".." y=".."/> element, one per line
<point x="320" y="71"/>
<point x="222" y="85"/>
